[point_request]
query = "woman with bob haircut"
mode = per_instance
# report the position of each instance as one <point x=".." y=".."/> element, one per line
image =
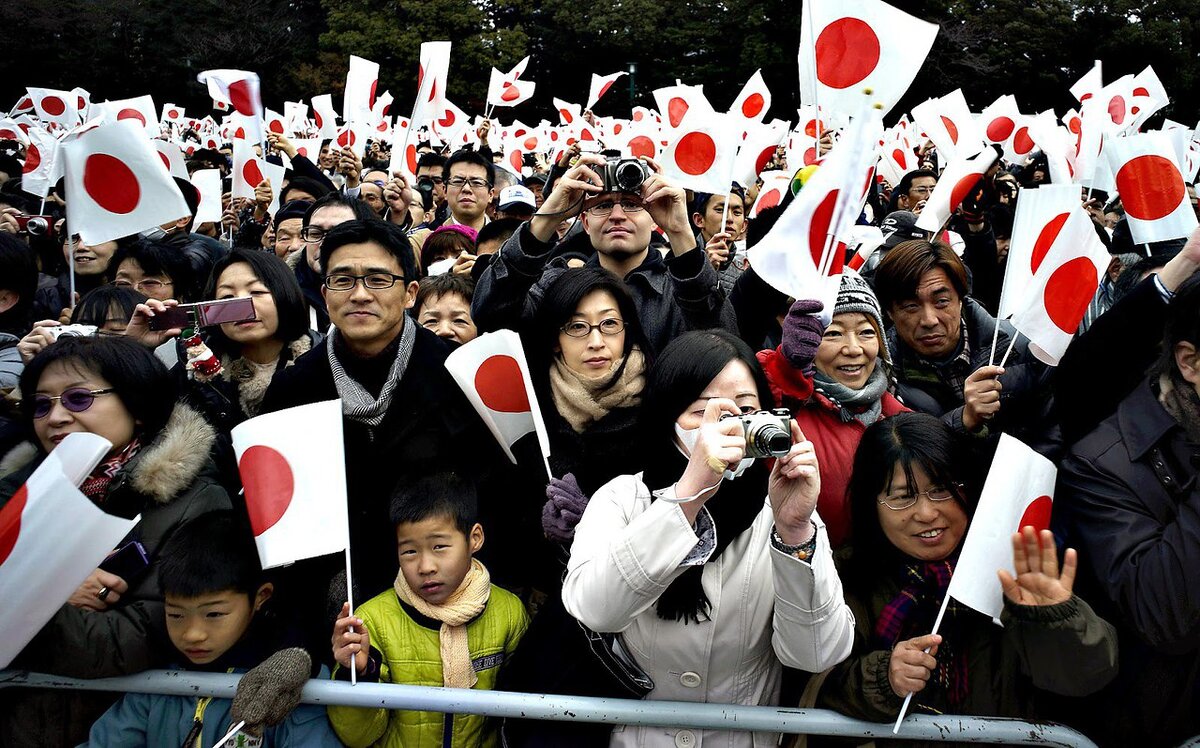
<point x="912" y="495"/>
<point x="713" y="568"/>
<point x="160" y="467"/>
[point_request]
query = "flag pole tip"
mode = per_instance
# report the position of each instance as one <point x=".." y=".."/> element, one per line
<point x="868" y="91"/>
<point x="877" y="105"/>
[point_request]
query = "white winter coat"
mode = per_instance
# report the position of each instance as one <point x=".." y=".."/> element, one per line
<point x="768" y="608"/>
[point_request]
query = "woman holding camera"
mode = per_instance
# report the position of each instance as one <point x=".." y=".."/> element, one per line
<point x="835" y="381"/>
<point x="713" y="566"/>
<point x="160" y="466"/>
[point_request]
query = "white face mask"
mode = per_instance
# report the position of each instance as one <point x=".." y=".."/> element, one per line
<point x="688" y="438"/>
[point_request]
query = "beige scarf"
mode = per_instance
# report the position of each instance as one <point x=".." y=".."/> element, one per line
<point x="467" y="602"/>
<point x="583" y="400"/>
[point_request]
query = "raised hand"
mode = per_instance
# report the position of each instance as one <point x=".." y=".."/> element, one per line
<point x="794" y="486"/>
<point x="351" y="646"/>
<point x="1038" y="580"/>
<point x="981" y="396"/>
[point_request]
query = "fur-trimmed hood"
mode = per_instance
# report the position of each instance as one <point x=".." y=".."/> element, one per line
<point x="161" y="470"/>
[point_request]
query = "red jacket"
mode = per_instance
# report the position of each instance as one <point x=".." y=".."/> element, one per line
<point x="834" y="440"/>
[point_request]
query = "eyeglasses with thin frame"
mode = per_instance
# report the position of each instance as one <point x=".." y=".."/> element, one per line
<point x="373" y="281"/>
<point x="313" y="234"/>
<point x="580" y="329"/>
<point x="606" y="208"/>
<point x="475" y="183"/>
<point x="144" y="286"/>
<point x="75" y="399"/>
<point x="937" y="493"/>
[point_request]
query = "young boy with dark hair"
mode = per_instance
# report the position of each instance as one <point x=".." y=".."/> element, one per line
<point x="444" y="624"/>
<point x="214" y="591"/>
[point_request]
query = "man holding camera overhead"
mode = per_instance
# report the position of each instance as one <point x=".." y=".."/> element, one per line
<point x="619" y="202"/>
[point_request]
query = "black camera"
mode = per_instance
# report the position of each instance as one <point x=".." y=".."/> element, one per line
<point x="623" y="175"/>
<point x="768" y="432"/>
<point x="425" y="187"/>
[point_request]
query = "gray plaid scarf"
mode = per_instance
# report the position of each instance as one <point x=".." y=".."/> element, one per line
<point x="357" y="403"/>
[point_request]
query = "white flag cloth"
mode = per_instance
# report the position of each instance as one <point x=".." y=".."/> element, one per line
<point x="141" y="109"/>
<point x="956" y="182"/>
<point x="324" y="115"/>
<point x="1148" y="97"/>
<point x="753" y="101"/>
<point x="172" y="157"/>
<point x="858" y="44"/>
<point x="172" y="113"/>
<point x="1037" y="223"/>
<point x="675" y="102"/>
<point x="702" y="153"/>
<point x="352" y="135"/>
<point x="241" y="90"/>
<point x="1066" y="275"/>
<point x="568" y="113"/>
<point x="433" y="71"/>
<point x="493" y="373"/>
<point x="51" y="538"/>
<point x="54" y="106"/>
<point x="774" y="189"/>
<point x="600" y="86"/>
<point x="950" y="125"/>
<point x="116" y="183"/>
<point x="358" y="99"/>
<point x="1151" y="187"/>
<point x="756" y="149"/>
<point x="1090" y="84"/>
<point x="208" y="185"/>
<point x="43" y="165"/>
<point x="250" y="169"/>
<point x="506" y="89"/>
<point x="293" y="466"/>
<point x="1019" y="492"/>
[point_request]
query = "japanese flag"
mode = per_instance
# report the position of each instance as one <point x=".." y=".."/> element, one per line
<point x="352" y="135"/>
<point x="83" y="103"/>
<point x="506" y="89"/>
<point x="896" y="159"/>
<point x="568" y="113"/>
<point x="644" y="115"/>
<point x="849" y="45"/>
<point x="1151" y="187"/>
<point x="52" y="105"/>
<point x="1037" y="224"/>
<point x="403" y="159"/>
<point x="172" y="157"/>
<point x="10" y="130"/>
<point x="757" y="149"/>
<point x="324" y="115"/>
<point x="51" y="538"/>
<point x="434" y="69"/>
<point x="358" y="98"/>
<point x="675" y="102"/>
<point x="275" y="122"/>
<point x="238" y="88"/>
<point x="1066" y="275"/>
<point x="999" y="121"/>
<point x="140" y="109"/>
<point x="774" y="189"/>
<point x="43" y="166"/>
<point x="450" y="120"/>
<point x="643" y="141"/>
<point x="1090" y="84"/>
<point x="173" y="114"/>
<point x="249" y="171"/>
<point x="753" y="102"/>
<point x="24" y="105"/>
<point x="493" y="373"/>
<point x="295" y="116"/>
<point x="293" y="467"/>
<point x="1147" y="97"/>
<point x="702" y="153"/>
<point x="949" y="124"/>
<point x="208" y="185"/>
<point x="308" y="148"/>
<point x="1019" y="492"/>
<point x="116" y="183"/>
<point x="956" y="183"/>
<point x="381" y="110"/>
<point x="600" y="86"/>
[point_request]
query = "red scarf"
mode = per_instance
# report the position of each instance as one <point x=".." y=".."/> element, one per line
<point x="788" y="384"/>
<point x="95" y="486"/>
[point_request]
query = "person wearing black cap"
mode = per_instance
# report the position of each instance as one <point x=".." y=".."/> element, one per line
<point x="899" y="226"/>
<point x="288" y="224"/>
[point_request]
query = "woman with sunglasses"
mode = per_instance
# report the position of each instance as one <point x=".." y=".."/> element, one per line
<point x="160" y="466"/>
<point x="912" y="494"/>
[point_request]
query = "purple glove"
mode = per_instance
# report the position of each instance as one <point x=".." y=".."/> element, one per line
<point x="564" y="508"/>
<point x="802" y="331"/>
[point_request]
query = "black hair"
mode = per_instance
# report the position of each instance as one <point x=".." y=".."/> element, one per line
<point x="19" y="274"/>
<point x="468" y="156"/>
<point x="449" y="242"/>
<point x="387" y="235"/>
<point x="442" y="494"/>
<point x="900" y="272"/>
<point x="362" y="211"/>
<point x="274" y="273"/>
<point x="304" y="184"/>
<point x="436" y="286"/>
<point x="700" y="201"/>
<point x="910" y="440"/>
<point x="501" y="228"/>
<point x="139" y="379"/>
<point x="156" y="258"/>
<point x="96" y="305"/>
<point x="431" y="159"/>
<point x="562" y="299"/>
<point x="684" y="369"/>
<point x="904" y="185"/>
<point x="212" y="553"/>
<point x="1182" y="326"/>
<point x="290" y="210"/>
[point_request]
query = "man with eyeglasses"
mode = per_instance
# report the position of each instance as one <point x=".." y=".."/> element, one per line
<point x="673" y="294"/>
<point x="469" y="179"/>
<point x="330" y="210"/>
<point x="404" y="416"/>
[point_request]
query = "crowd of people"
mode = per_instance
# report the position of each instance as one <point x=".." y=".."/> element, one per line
<point x="671" y="554"/>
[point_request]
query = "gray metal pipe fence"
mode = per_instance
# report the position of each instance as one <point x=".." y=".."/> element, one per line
<point x="680" y="714"/>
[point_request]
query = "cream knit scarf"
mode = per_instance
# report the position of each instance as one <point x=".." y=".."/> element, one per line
<point x="467" y="602"/>
<point x="582" y="401"/>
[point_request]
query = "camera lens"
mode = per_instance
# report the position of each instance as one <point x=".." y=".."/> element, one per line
<point x="769" y="440"/>
<point x="38" y="226"/>
<point x="629" y="176"/>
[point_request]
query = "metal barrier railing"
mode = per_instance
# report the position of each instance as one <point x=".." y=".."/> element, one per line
<point x="681" y="714"/>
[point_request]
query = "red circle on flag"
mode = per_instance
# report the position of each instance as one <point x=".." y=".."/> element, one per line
<point x="1151" y="187"/>
<point x="1022" y="143"/>
<point x="900" y="157"/>
<point x="760" y="163"/>
<point x="514" y="160"/>
<point x="172" y="114"/>
<point x="33" y="158"/>
<point x="166" y="161"/>
<point x="769" y="199"/>
<point x="1074" y="125"/>
<point x="131" y="113"/>
<point x="269" y="483"/>
<point x="637" y="116"/>
<point x="1037" y="514"/>
<point x="530" y="144"/>
<point x="1046" y="239"/>
<point x="346" y="138"/>
<point x="1116" y="109"/>
<point x="25" y="103"/>
<point x="617" y="128"/>
<point x="818" y="229"/>
<point x="80" y="103"/>
<point x="382" y="126"/>
<point x="695" y="153"/>
<point x="566" y="116"/>
<point x="10" y="522"/>
<point x="641" y="146"/>
<point x="587" y="135"/>
<point x="1139" y="91"/>
<point x="676" y="108"/>
<point x="276" y="126"/>
<point x="810" y="157"/>
<point x="1134" y="110"/>
<point x="448" y="118"/>
<point x="553" y="135"/>
<point x="111" y="183"/>
<point x="252" y="174"/>
<point x="812" y="127"/>
<point x="950" y="128"/>
<point x="847" y="52"/>
<point x="999" y="129"/>
<point x="241" y="97"/>
<point x="753" y="105"/>
<point x="302" y="150"/>
<point x="962" y="188"/>
<point x="1069" y="291"/>
<point x="371" y="96"/>
<point x="387" y="108"/>
<point x="317" y="115"/>
<point x="240" y="134"/>
<point x="53" y="105"/>
<point x="500" y="386"/>
<point x="410" y="156"/>
<point x="7" y="134"/>
<point x="510" y="93"/>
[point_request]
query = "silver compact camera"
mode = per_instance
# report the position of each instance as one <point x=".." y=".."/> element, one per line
<point x="70" y="331"/>
<point x="623" y="175"/>
<point x="768" y="432"/>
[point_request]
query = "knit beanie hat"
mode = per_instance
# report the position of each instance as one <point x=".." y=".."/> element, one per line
<point x="855" y="295"/>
